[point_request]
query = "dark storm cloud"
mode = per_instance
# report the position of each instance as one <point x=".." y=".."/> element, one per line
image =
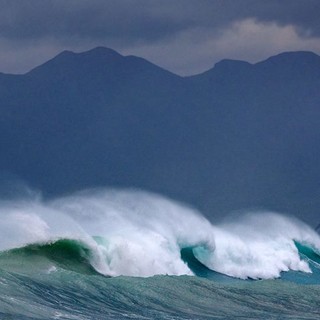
<point x="145" y="20"/>
<point x="184" y="36"/>
<point x="130" y="20"/>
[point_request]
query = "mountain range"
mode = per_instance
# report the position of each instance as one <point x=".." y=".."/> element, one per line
<point x="237" y="136"/>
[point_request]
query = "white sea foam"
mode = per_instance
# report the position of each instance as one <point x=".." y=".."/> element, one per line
<point x="141" y="234"/>
<point x="260" y="245"/>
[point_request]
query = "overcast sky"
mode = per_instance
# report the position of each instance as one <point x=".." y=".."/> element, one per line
<point x="183" y="36"/>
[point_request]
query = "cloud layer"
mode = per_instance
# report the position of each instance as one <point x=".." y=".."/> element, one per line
<point x="185" y="36"/>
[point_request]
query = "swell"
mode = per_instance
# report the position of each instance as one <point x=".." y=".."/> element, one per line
<point x="77" y="296"/>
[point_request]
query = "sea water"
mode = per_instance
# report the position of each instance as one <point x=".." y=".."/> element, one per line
<point x="109" y="254"/>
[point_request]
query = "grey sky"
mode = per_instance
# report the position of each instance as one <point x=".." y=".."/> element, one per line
<point x="184" y="36"/>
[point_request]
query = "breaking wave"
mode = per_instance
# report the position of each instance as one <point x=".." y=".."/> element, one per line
<point x="135" y="233"/>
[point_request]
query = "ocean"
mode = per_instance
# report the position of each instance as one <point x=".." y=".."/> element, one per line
<point x="126" y="254"/>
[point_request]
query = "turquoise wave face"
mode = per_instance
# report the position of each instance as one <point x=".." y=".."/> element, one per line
<point x="67" y="254"/>
<point x="312" y="257"/>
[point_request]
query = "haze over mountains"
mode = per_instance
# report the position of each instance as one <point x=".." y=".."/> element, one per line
<point x="237" y="136"/>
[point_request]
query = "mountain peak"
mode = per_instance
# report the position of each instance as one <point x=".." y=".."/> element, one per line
<point x="292" y="58"/>
<point x="97" y="54"/>
<point x="226" y="66"/>
<point x="67" y="60"/>
<point x="98" y="51"/>
<point x="99" y="60"/>
<point x="101" y="52"/>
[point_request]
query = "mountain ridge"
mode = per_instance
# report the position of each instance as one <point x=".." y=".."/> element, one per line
<point x="100" y="55"/>
<point x="106" y="52"/>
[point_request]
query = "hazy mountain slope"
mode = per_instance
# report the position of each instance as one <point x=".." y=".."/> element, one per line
<point x="268" y="131"/>
<point x="236" y="136"/>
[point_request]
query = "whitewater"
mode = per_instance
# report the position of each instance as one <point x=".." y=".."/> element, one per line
<point x="128" y="254"/>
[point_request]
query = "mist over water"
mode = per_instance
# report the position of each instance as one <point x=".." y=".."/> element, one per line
<point x="136" y="233"/>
